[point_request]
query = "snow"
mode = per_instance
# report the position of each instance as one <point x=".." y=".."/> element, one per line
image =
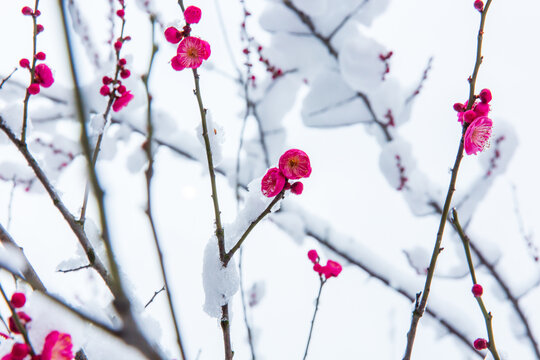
<point x="339" y="107"/>
<point x="359" y="63"/>
<point x="220" y="283"/>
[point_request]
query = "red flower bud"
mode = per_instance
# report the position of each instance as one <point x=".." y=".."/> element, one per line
<point x="18" y="300"/>
<point x="479" y="5"/>
<point x="485" y="96"/>
<point x="41" y="56"/>
<point x="480" y="344"/>
<point x="40" y="28"/>
<point x="26" y="10"/>
<point x="125" y="73"/>
<point x="33" y="89"/>
<point x="24" y="63"/>
<point x="477" y="290"/>
<point x="104" y="90"/>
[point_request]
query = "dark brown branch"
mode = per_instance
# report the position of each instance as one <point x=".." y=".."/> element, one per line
<point x="306" y="20"/>
<point x="76" y="227"/>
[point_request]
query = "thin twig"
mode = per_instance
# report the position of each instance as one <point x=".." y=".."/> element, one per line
<point x="487" y="315"/>
<point x="419" y="310"/>
<point x="156" y="293"/>
<point x="7" y="78"/>
<point x="32" y="73"/>
<point x="82" y="267"/>
<point x="234" y="249"/>
<point x="314" y="315"/>
<point x="110" y="102"/>
<point x="149" y="174"/>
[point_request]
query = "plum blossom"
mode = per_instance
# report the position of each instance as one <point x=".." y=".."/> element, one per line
<point x="294" y="164"/>
<point x="331" y="269"/>
<point x="57" y="346"/>
<point x="272" y="183"/>
<point x="44" y="75"/>
<point x="18" y="352"/>
<point x="191" y="53"/>
<point x="122" y="101"/>
<point x="477" y="135"/>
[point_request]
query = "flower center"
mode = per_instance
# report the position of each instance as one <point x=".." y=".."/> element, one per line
<point x="192" y="52"/>
<point x="293" y="162"/>
<point x="481" y="135"/>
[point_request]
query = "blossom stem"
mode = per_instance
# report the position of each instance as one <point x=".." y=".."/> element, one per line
<point x="17" y="321"/>
<point x="220" y="233"/>
<point x="149" y="174"/>
<point x="420" y="307"/>
<point x="131" y="333"/>
<point x="487" y="315"/>
<point x="97" y="147"/>
<point x="32" y="73"/>
<point x="314" y="315"/>
<point x="251" y="226"/>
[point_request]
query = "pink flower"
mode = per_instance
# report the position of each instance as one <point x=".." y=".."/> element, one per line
<point x="191" y="53"/>
<point x="18" y="300"/>
<point x="313" y="256"/>
<point x="44" y="75"/>
<point x="192" y="14"/>
<point x="57" y="346"/>
<point x="294" y="164"/>
<point x="477" y="135"/>
<point x="41" y="55"/>
<point x="332" y="268"/>
<point x="173" y="35"/>
<point x="480" y="344"/>
<point x="24" y="319"/>
<point x="272" y="183"/>
<point x="122" y="101"/>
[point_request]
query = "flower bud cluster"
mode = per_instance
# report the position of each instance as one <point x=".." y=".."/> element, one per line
<point x="58" y="346"/>
<point x="114" y="87"/>
<point x="331" y="269"/>
<point x="191" y="50"/>
<point x="41" y="74"/>
<point x="475" y="119"/>
<point x="293" y="164"/>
